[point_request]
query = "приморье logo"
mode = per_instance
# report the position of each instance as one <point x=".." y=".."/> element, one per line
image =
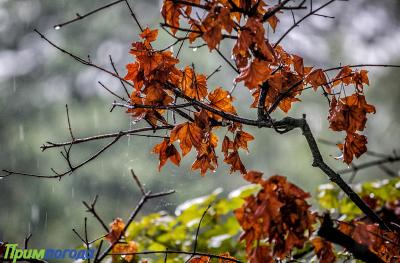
<point x="12" y="252"/>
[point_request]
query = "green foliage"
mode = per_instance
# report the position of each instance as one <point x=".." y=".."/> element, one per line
<point x="382" y="191"/>
<point x="218" y="233"/>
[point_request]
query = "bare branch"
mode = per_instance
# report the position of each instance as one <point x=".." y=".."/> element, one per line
<point x="79" y="17"/>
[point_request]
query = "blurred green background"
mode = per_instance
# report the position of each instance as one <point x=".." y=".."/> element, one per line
<point x="36" y="81"/>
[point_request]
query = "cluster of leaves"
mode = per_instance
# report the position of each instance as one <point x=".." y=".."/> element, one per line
<point x="349" y="114"/>
<point x="275" y="78"/>
<point x="278" y="210"/>
<point x="158" y="84"/>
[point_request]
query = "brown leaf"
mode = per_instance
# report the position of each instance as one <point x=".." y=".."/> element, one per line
<point x="188" y="134"/>
<point x="254" y="74"/>
<point x="149" y="35"/>
<point x="354" y="145"/>
<point x="221" y="99"/>
<point x="242" y="138"/>
<point x="323" y="250"/>
<point x="127" y="248"/>
<point x="116" y="229"/>
<point x="253" y="177"/>
<point x="167" y="151"/>
<point x="192" y="85"/>
<point x="233" y="159"/>
<point x="201" y="259"/>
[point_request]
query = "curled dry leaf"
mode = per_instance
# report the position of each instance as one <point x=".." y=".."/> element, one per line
<point x="166" y="151"/>
<point x="116" y="229"/>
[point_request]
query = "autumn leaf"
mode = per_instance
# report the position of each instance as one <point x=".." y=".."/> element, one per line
<point x="149" y="35"/>
<point x="227" y="145"/>
<point x="125" y="248"/>
<point x="324" y="250"/>
<point x="221" y="99"/>
<point x="227" y="256"/>
<point x="188" y="134"/>
<point x="167" y="151"/>
<point x="317" y="78"/>
<point x="201" y="259"/>
<point x="349" y="113"/>
<point x="279" y="203"/>
<point x="344" y="76"/>
<point x="116" y="230"/>
<point x="261" y="254"/>
<point x="171" y="13"/>
<point x="254" y="74"/>
<point x="253" y="177"/>
<point x="298" y="65"/>
<point x="213" y="36"/>
<point x="233" y="159"/>
<point x="354" y="145"/>
<point x="192" y="85"/>
<point x="205" y="162"/>
<point x="242" y="138"/>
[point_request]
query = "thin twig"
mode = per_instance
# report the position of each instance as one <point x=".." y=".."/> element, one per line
<point x="79" y="17"/>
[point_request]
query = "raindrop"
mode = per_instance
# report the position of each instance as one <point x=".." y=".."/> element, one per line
<point x="35" y="213"/>
<point x="14" y="85"/>
<point x="21" y="132"/>
<point x="73" y="192"/>
<point x="45" y="221"/>
<point x="57" y="27"/>
<point x="52" y="189"/>
<point x="195" y="49"/>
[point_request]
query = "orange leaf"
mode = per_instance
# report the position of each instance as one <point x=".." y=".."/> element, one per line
<point x="117" y="227"/>
<point x="317" y="78"/>
<point x="128" y="249"/>
<point x="189" y="134"/>
<point x="221" y="100"/>
<point x="192" y="85"/>
<point x="349" y="114"/>
<point x="202" y="259"/>
<point x="233" y="159"/>
<point x="242" y="138"/>
<point x="253" y="177"/>
<point x="254" y="74"/>
<point x="344" y="76"/>
<point x="167" y="151"/>
<point x="149" y="35"/>
<point x="354" y="145"/>
<point x="171" y="12"/>
<point x="323" y="250"/>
